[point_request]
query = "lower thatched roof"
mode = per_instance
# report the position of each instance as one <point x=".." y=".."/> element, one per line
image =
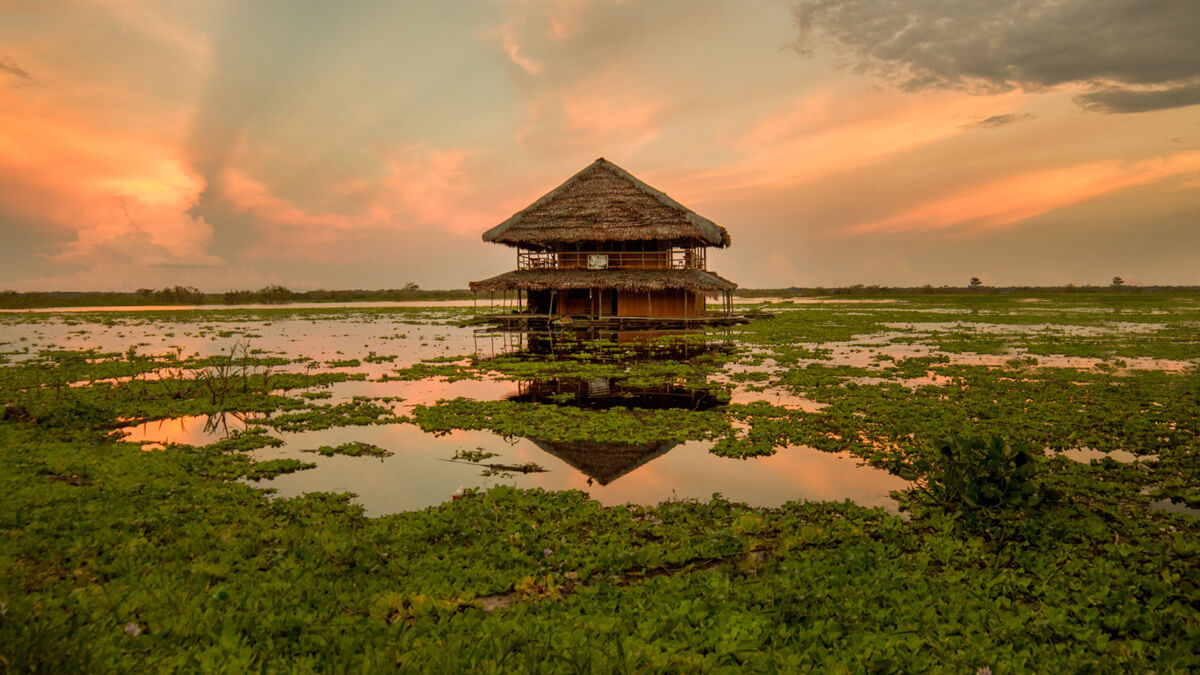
<point x="624" y="280"/>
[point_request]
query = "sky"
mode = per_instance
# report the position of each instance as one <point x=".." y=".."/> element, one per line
<point x="233" y="145"/>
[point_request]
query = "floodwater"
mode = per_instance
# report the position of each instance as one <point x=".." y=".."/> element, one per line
<point x="290" y="305"/>
<point x="420" y="473"/>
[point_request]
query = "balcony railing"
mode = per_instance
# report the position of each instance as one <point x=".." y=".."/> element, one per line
<point x="671" y="259"/>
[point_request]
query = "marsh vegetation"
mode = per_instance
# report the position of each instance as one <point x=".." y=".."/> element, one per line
<point x="962" y="481"/>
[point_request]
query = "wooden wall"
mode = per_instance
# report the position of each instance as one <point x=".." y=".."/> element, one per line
<point x="576" y="301"/>
<point x="672" y="302"/>
<point x="599" y="302"/>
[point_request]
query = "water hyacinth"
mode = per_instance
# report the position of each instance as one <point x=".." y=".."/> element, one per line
<point x="1099" y="580"/>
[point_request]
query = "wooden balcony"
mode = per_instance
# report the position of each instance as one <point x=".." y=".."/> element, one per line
<point x="671" y="259"/>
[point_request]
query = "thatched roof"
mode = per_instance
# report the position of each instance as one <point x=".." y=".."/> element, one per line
<point x="625" y="280"/>
<point x="605" y="203"/>
<point x="605" y="462"/>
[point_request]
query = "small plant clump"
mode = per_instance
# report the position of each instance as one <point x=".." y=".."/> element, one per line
<point x="474" y="456"/>
<point x="985" y="481"/>
<point x="352" y="449"/>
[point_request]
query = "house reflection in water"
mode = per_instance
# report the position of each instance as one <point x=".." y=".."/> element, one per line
<point x="606" y="462"/>
<point x="601" y="345"/>
<point x="603" y="393"/>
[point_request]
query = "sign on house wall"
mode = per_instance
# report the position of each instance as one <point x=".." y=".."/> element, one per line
<point x="598" y="261"/>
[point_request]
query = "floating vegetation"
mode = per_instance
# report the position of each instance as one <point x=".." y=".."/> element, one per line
<point x="352" y="449"/>
<point x="473" y="456"/>
<point x="1040" y="443"/>
<point x="357" y="412"/>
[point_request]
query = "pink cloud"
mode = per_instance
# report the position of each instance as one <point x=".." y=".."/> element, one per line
<point x="1015" y="198"/>
<point x="100" y="184"/>
<point x="606" y="114"/>
<point x="251" y="196"/>
<point x="506" y="34"/>
<point x="419" y="187"/>
<point x="830" y="130"/>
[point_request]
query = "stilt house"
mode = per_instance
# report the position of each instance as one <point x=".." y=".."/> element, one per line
<point x="605" y="244"/>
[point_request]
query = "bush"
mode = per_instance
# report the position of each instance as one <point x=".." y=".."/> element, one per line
<point x="984" y="481"/>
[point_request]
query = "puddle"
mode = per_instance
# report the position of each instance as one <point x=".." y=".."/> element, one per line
<point x="193" y="430"/>
<point x="1172" y="507"/>
<point x="1087" y="455"/>
<point x="418" y="474"/>
<point x="418" y="392"/>
<point x="777" y="397"/>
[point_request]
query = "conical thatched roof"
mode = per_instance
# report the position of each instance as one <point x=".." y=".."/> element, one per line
<point x="605" y="203"/>
<point x="605" y="462"/>
<point x="625" y="280"/>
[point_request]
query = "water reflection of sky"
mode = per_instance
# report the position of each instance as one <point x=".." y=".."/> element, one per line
<point x="417" y="475"/>
<point x="323" y="340"/>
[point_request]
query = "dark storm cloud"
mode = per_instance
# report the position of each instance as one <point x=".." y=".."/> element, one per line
<point x="999" y="121"/>
<point x="992" y="45"/>
<point x="1117" y="100"/>
<point x="7" y="65"/>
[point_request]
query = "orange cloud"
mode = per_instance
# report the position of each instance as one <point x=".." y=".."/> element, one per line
<point x="830" y="130"/>
<point x="101" y="184"/>
<point x="420" y="188"/>
<point x="508" y="43"/>
<point x="614" y="112"/>
<point x="251" y="196"/>
<point x="1015" y="198"/>
<point x="606" y="114"/>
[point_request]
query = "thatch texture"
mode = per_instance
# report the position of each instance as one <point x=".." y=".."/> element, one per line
<point x="605" y="203"/>
<point x="605" y="462"/>
<point x="625" y="280"/>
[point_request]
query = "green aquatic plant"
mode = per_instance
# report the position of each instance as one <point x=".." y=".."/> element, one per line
<point x="112" y="558"/>
<point x="474" y="456"/>
<point x="356" y="412"/>
<point x="271" y="468"/>
<point x="352" y="449"/>
<point x="985" y="481"/>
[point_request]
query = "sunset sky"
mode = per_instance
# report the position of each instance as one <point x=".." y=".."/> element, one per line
<point x="368" y="144"/>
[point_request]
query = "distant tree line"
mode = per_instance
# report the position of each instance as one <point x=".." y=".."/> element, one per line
<point x="973" y="287"/>
<point x="188" y="295"/>
<point x="276" y="294"/>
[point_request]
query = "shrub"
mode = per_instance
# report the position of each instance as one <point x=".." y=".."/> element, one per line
<point x="984" y="481"/>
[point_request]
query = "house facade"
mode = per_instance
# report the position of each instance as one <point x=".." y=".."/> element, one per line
<point x="605" y="244"/>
